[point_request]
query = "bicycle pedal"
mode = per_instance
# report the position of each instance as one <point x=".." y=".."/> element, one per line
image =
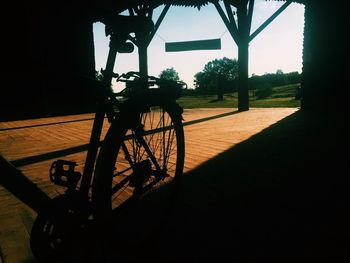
<point x="63" y="173"/>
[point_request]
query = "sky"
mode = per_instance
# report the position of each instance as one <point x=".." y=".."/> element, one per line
<point x="279" y="46"/>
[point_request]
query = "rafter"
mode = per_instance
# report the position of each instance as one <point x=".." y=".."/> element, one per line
<point x="229" y="12"/>
<point x="159" y="21"/>
<point x="232" y="27"/>
<point x="250" y="14"/>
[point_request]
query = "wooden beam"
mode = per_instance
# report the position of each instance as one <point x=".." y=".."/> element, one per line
<point x="231" y="17"/>
<point x="150" y="13"/>
<point x="250" y="14"/>
<point x="232" y="28"/>
<point x="243" y="56"/>
<point x="269" y="20"/>
<point x="159" y="21"/>
<point x="131" y="12"/>
<point x="229" y="12"/>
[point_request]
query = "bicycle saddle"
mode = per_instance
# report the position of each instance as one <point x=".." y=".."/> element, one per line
<point x="128" y="24"/>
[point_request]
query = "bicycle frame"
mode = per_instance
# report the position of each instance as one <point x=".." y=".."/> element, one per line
<point x="103" y="108"/>
<point x="16" y="181"/>
<point x="60" y="216"/>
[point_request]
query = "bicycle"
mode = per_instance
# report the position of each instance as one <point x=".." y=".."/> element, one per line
<point x="142" y="150"/>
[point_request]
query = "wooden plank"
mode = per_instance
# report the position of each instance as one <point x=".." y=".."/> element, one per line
<point x="204" y="140"/>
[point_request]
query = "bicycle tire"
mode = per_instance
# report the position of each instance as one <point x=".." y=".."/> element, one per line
<point x="162" y="131"/>
<point x="51" y="236"/>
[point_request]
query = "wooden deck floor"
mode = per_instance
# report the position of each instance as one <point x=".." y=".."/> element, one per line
<point x="32" y="145"/>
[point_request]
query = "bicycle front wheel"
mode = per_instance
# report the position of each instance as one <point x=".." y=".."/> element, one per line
<point x="139" y="154"/>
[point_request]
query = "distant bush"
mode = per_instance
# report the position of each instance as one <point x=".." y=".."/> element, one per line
<point x="264" y="91"/>
<point x="274" y="79"/>
<point x="189" y="92"/>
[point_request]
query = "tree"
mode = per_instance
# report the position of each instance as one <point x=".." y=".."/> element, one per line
<point x="279" y="72"/>
<point x="217" y="77"/>
<point x="169" y="74"/>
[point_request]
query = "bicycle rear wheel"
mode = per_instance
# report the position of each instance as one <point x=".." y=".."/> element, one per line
<point x="139" y="154"/>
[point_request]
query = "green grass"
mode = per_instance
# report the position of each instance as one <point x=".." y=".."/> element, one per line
<point x="287" y="91"/>
<point x="282" y="96"/>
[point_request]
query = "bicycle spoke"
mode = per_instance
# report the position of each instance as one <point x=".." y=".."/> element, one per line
<point x="148" y="157"/>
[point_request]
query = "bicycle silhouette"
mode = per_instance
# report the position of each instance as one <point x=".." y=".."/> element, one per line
<point x="142" y="150"/>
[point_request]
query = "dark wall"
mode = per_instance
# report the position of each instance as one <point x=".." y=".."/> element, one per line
<point x="324" y="56"/>
<point x="49" y="58"/>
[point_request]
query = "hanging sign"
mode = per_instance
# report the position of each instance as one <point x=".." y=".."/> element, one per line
<point x="208" y="44"/>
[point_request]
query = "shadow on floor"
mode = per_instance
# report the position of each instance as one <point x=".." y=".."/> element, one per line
<point x="281" y="196"/>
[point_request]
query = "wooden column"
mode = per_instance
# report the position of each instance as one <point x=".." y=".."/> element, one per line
<point x="143" y="60"/>
<point x="240" y="33"/>
<point x="143" y="39"/>
<point x="243" y="56"/>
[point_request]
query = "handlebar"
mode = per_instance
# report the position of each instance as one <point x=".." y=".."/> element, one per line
<point x="125" y="76"/>
<point x="151" y="80"/>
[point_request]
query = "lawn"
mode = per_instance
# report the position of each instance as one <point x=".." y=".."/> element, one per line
<point x="283" y="96"/>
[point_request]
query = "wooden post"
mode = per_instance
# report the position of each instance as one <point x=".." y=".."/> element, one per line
<point x="240" y="33"/>
<point x="143" y="60"/>
<point x="243" y="56"/>
<point x="143" y="39"/>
